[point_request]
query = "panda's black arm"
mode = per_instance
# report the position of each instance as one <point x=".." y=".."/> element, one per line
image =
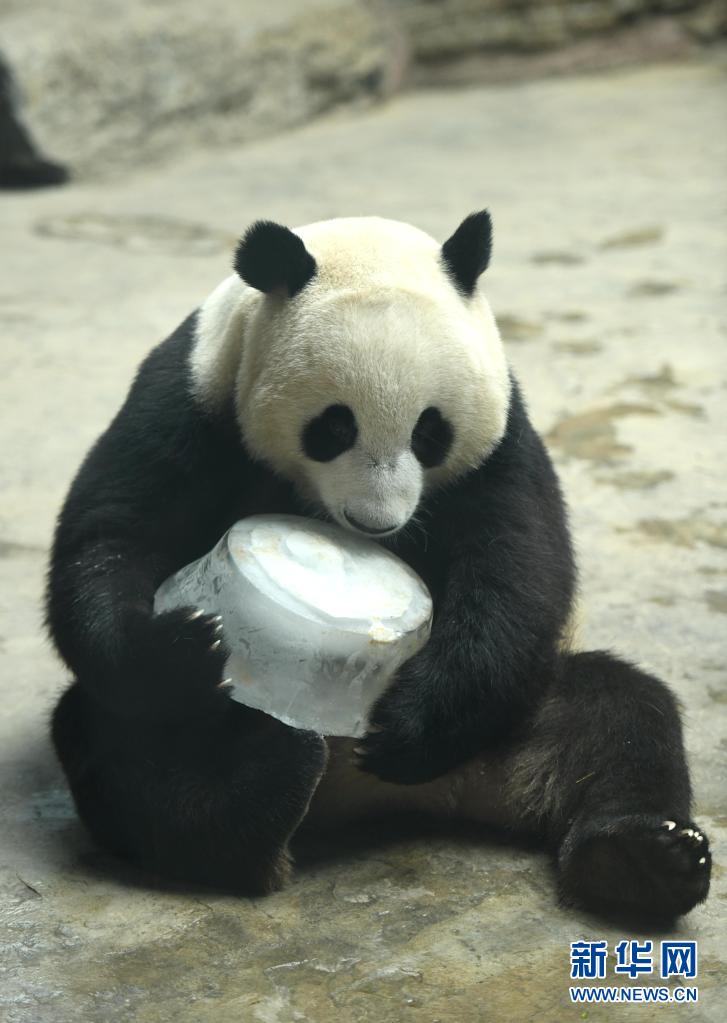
<point x="503" y="591"/>
<point x="155" y="492"/>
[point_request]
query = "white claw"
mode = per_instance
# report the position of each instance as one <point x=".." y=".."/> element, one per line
<point x="702" y="860"/>
<point x="216" y="645"/>
<point x="217" y="618"/>
<point x="669" y="825"/>
<point x="687" y="831"/>
<point x="698" y="836"/>
<point x="226" y="683"/>
<point x="195" y="614"/>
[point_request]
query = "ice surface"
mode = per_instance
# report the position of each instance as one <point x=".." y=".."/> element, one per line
<point x="318" y="619"/>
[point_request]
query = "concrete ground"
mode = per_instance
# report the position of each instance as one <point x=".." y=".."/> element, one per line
<point x="608" y="198"/>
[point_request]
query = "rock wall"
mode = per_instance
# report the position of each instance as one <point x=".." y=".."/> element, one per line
<point x="112" y="83"/>
<point x="109" y="84"/>
<point x="446" y="28"/>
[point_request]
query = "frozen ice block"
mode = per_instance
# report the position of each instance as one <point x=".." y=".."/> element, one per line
<point x="317" y="619"/>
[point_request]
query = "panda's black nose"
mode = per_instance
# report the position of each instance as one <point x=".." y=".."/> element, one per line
<point x="366" y="529"/>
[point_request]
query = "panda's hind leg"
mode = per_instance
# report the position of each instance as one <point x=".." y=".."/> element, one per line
<point x="209" y="800"/>
<point x="599" y="771"/>
<point x="603" y="773"/>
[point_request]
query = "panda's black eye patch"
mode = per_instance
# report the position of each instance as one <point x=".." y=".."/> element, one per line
<point x="330" y="434"/>
<point x="431" y="438"/>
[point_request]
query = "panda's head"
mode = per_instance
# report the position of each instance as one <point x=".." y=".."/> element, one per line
<point x="367" y="366"/>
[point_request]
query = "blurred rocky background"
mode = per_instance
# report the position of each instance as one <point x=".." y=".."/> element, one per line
<point x="106" y="84"/>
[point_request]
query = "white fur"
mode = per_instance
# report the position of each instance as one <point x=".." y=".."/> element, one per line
<point x="379" y="328"/>
<point x="219" y="339"/>
<point x="380" y="495"/>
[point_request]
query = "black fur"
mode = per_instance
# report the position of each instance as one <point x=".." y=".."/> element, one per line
<point x="329" y="434"/>
<point x="169" y="773"/>
<point x="212" y="798"/>
<point x="467" y="253"/>
<point x="497" y="559"/>
<point x="432" y="438"/>
<point x="21" y="165"/>
<point x="271" y="257"/>
<point x="599" y="770"/>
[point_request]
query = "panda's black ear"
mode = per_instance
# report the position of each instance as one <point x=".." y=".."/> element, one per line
<point x="467" y="253"/>
<point x="270" y="257"/>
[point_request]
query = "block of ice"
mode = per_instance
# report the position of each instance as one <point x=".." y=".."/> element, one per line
<point x="317" y="619"/>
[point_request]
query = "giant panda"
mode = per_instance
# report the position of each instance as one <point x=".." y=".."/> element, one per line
<point x="352" y="370"/>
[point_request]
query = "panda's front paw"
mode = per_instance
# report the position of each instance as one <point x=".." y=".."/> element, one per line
<point x="178" y="662"/>
<point x="383" y="754"/>
<point x="403" y="744"/>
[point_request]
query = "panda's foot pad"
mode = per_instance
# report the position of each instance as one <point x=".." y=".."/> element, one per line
<point x="649" y="868"/>
<point x="684" y="848"/>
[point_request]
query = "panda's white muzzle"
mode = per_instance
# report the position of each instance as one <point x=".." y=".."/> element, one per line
<point x="372" y="530"/>
<point x="372" y="495"/>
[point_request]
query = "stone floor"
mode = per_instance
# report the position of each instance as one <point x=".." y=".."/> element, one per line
<point x="608" y="198"/>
